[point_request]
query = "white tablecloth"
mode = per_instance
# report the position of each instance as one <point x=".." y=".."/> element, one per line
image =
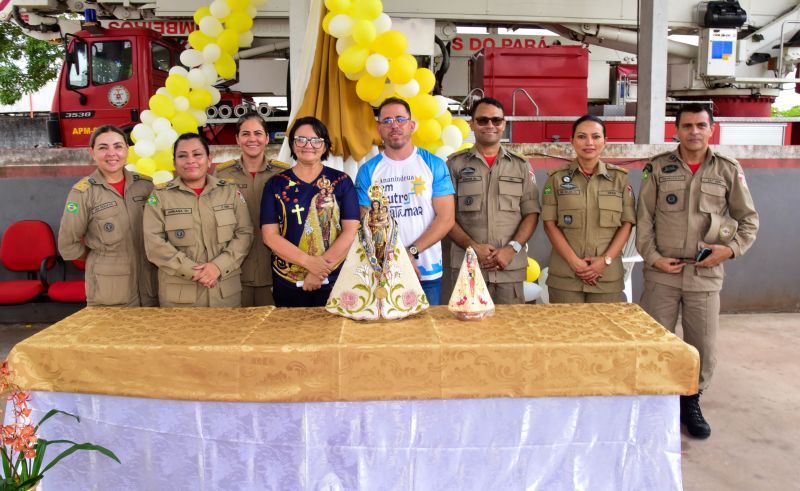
<point x="557" y="443"/>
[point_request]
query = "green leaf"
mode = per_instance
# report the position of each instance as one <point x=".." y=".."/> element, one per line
<point x="52" y="413"/>
<point x="6" y="464"/>
<point x="82" y="446"/>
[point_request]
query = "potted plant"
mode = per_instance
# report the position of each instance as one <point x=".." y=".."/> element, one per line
<point x="22" y="450"/>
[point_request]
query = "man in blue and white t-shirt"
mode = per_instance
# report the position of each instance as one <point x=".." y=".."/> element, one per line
<point x="420" y="192"/>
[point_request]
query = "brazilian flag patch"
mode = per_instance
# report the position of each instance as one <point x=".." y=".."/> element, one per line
<point x="152" y="200"/>
<point x="72" y="207"/>
<point x="648" y="169"/>
<point x="548" y="190"/>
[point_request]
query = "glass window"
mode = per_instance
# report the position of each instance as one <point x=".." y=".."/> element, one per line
<point x="77" y="66"/>
<point x="161" y="57"/>
<point x="112" y="61"/>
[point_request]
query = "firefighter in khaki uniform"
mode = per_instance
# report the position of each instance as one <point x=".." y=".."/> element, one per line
<point x="588" y="212"/>
<point x="692" y="198"/>
<point x="102" y="224"/>
<point x="497" y="205"/>
<point x="250" y="173"/>
<point x="197" y="230"/>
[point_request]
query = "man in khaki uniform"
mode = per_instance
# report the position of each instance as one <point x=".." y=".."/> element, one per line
<point x="692" y="198"/>
<point x="105" y="228"/>
<point x="197" y="230"/>
<point x="497" y="206"/>
<point x="251" y="175"/>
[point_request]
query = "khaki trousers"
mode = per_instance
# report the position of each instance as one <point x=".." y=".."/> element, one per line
<point x="699" y="318"/>
<point x="257" y="296"/>
<point x="565" y="296"/>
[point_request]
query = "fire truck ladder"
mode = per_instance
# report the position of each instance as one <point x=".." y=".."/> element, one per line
<point x="514" y="109"/>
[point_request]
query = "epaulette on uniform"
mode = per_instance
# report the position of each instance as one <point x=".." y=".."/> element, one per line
<point x="82" y="185"/>
<point x="165" y="185"/>
<point x="458" y="152"/>
<point x="616" y="167"/>
<point x="225" y="165"/>
<point x="518" y="155"/>
<point x="658" y="156"/>
<point x="563" y="167"/>
<point x="726" y="158"/>
<point x="279" y="164"/>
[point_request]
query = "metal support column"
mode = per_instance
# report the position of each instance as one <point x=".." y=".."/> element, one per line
<point x="652" y="60"/>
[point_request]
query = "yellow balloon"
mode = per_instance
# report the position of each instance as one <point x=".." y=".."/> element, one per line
<point x="363" y="32"/>
<point x="338" y="6"/>
<point x="162" y="106"/>
<point x="432" y="147"/>
<point x="366" y="9"/>
<point x="228" y="41"/>
<point x="426" y="80"/>
<point x="390" y="44"/>
<point x="163" y="159"/>
<point x="445" y="119"/>
<point x="200" y="13"/>
<point x="369" y="88"/>
<point x="533" y="270"/>
<point x="462" y="125"/>
<point x="326" y="21"/>
<point x="146" y="166"/>
<point x="428" y="130"/>
<point x="225" y="66"/>
<point x="237" y="4"/>
<point x="352" y="59"/>
<point x="198" y="40"/>
<point x="465" y="146"/>
<point x="184" y="122"/>
<point x="177" y="85"/>
<point x="402" y="69"/>
<point x="132" y="155"/>
<point x="200" y="98"/>
<point x="424" y="106"/>
<point x="239" y="21"/>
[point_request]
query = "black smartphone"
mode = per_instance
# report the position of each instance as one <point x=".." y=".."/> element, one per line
<point x="702" y="254"/>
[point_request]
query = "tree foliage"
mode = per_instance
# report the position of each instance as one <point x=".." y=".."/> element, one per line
<point x="787" y="113"/>
<point x="26" y="64"/>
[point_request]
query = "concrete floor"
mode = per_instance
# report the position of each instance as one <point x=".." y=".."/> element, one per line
<point x="753" y="406"/>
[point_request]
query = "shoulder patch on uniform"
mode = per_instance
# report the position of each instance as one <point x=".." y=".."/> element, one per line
<point x="648" y="169"/>
<point x="81" y="185"/>
<point x="616" y="167"/>
<point x="152" y="200"/>
<point x="278" y="163"/>
<point x="163" y="185"/>
<point x="225" y="165"/>
<point x="72" y="207"/>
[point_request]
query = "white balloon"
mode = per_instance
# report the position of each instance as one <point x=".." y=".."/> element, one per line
<point x="245" y="39"/>
<point x="408" y="89"/>
<point x="130" y="167"/>
<point x="196" y="78"/>
<point x="451" y="136"/>
<point x="178" y="70"/>
<point x="442" y="101"/>
<point x="377" y="65"/>
<point x="531" y="291"/>
<point x="211" y="52"/>
<point x="341" y="26"/>
<point x="147" y="117"/>
<point x="191" y="57"/>
<point x="209" y="73"/>
<point x="161" y="176"/>
<point x="145" y="148"/>
<point x="354" y="76"/>
<point x="215" y="95"/>
<point x="382" y="24"/>
<point x="344" y="43"/>
<point x="219" y="9"/>
<point x="165" y="139"/>
<point x="251" y="11"/>
<point x="143" y="132"/>
<point x="160" y="125"/>
<point x="200" y="116"/>
<point x="444" y="151"/>
<point x="181" y="103"/>
<point x="163" y="91"/>
<point x="211" y="26"/>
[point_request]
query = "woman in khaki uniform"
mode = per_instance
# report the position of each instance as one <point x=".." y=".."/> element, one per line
<point x="250" y="173"/>
<point x="197" y="231"/>
<point x="102" y="224"/>
<point x="588" y="213"/>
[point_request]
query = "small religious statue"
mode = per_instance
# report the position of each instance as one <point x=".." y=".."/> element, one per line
<point x="470" y="299"/>
<point x="377" y="279"/>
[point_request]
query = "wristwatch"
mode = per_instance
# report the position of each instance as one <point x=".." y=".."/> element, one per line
<point x="412" y="249"/>
<point x="516" y="246"/>
<point x="608" y="260"/>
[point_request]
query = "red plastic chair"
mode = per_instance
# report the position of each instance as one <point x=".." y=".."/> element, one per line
<point x="69" y="290"/>
<point x="27" y="246"/>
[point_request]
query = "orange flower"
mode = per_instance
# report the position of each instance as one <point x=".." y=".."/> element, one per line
<point x="30" y="453"/>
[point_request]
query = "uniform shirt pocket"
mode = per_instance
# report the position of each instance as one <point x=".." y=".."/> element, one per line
<point x="226" y="222"/>
<point x="510" y="192"/>
<point x="470" y="194"/>
<point x="712" y="197"/>
<point x="230" y="285"/>
<point x="179" y="291"/>
<point x="111" y="283"/>
<point x="610" y="205"/>
<point x="180" y="229"/>
<point x="672" y="197"/>
<point x="106" y="217"/>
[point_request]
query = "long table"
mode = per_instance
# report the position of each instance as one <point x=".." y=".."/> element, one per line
<point x="537" y="396"/>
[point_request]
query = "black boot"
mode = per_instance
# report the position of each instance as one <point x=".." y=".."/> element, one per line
<point x="692" y="417"/>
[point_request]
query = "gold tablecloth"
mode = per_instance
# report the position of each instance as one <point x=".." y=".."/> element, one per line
<point x="268" y="355"/>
